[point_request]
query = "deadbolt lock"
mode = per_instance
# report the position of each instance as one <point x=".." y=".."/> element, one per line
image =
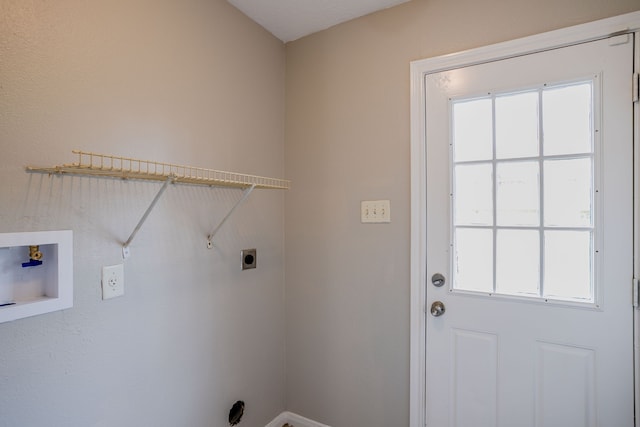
<point x="437" y="280"/>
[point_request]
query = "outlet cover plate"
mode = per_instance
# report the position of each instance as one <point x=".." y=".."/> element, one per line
<point x="249" y="258"/>
<point x="112" y="281"/>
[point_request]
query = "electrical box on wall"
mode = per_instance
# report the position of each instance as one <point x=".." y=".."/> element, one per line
<point x="36" y="273"/>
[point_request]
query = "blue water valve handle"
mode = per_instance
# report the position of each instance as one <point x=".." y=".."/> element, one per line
<point x="31" y="263"/>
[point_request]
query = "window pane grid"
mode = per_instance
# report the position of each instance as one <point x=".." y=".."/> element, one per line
<point x="521" y="226"/>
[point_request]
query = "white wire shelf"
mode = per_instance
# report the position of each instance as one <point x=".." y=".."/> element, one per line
<point x="104" y="165"/>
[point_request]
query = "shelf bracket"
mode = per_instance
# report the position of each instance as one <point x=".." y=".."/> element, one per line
<point x="125" y="246"/>
<point x="245" y="194"/>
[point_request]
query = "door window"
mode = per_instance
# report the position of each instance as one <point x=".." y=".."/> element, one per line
<point x="523" y="193"/>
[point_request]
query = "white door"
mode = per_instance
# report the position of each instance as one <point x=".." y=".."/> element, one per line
<point x="529" y="222"/>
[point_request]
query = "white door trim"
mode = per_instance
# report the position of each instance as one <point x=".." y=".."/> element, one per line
<point x="636" y="226"/>
<point x="555" y="39"/>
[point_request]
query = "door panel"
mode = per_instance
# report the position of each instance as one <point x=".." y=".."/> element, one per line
<point x="565" y="389"/>
<point x="522" y="359"/>
<point x="475" y="378"/>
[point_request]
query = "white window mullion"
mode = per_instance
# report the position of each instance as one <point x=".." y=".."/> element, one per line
<point x="495" y="193"/>
<point x="541" y="174"/>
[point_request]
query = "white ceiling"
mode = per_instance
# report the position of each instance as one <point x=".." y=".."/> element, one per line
<point x="289" y="20"/>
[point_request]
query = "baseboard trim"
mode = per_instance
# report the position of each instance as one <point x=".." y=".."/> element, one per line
<point x="295" y="420"/>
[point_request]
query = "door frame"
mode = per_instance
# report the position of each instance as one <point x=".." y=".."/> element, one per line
<point x="627" y="23"/>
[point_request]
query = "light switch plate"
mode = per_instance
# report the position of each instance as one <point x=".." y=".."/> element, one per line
<point x="375" y="211"/>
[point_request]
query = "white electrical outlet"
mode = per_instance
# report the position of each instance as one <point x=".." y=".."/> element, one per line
<point x="373" y="211"/>
<point x="112" y="281"/>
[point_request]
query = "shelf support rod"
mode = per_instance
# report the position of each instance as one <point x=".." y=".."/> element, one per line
<point x="125" y="246"/>
<point x="245" y="194"/>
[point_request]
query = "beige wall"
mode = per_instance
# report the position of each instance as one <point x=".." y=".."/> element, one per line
<point x="347" y="140"/>
<point x="196" y="82"/>
<point x="191" y="82"/>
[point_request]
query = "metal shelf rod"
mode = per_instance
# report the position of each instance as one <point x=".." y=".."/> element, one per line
<point x="125" y="246"/>
<point x="245" y="194"/>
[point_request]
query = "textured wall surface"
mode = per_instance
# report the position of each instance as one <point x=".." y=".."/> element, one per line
<point x="195" y="82"/>
<point x="192" y="82"/>
<point x="347" y="140"/>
